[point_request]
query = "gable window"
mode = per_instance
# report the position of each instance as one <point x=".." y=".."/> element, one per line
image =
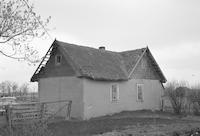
<point x="58" y="59"/>
<point x="114" y="93"/>
<point x="140" y="92"/>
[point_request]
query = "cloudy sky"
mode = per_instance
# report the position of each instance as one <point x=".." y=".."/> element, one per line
<point x="170" y="28"/>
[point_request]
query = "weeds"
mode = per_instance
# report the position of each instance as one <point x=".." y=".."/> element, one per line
<point x="30" y="129"/>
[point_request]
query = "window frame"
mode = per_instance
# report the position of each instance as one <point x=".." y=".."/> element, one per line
<point x="112" y="94"/>
<point x="142" y="92"/>
<point x="56" y="60"/>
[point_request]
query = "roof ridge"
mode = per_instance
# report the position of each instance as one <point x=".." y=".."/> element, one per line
<point x="133" y="50"/>
<point x="83" y="46"/>
<point x="72" y="44"/>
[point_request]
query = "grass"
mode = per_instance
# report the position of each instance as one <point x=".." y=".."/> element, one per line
<point x="118" y="122"/>
<point x="99" y="126"/>
<point x="126" y="123"/>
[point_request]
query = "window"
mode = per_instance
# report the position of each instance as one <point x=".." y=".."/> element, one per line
<point x="58" y="59"/>
<point x="140" y="92"/>
<point x="114" y="93"/>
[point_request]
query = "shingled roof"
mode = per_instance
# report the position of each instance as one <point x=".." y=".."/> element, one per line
<point x="99" y="64"/>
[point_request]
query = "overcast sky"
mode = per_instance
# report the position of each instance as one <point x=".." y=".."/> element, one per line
<point x="171" y="29"/>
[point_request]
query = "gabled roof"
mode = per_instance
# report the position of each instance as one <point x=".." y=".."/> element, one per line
<point x="99" y="64"/>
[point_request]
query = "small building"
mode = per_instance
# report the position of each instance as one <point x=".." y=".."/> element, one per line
<point x="98" y="81"/>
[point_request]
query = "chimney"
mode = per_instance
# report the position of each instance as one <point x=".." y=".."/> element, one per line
<point x="102" y="48"/>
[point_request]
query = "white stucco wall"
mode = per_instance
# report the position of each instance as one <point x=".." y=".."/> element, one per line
<point x="97" y="96"/>
<point x="63" y="88"/>
<point x="92" y="98"/>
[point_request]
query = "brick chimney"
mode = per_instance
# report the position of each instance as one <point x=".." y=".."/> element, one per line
<point x="102" y="48"/>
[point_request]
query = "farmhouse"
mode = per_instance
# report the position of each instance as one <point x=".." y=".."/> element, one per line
<point x="99" y="81"/>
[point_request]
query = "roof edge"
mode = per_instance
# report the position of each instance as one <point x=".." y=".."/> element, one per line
<point x="164" y="80"/>
<point x="35" y="75"/>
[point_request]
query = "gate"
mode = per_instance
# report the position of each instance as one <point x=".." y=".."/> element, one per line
<point x="49" y="111"/>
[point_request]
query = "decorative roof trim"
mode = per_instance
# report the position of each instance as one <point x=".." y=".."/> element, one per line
<point x="129" y="76"/>
<point x="42" y="63"/>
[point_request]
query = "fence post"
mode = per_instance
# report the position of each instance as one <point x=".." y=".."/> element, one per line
<point x="9" y="118"/>
<point x="42" y="110"/>
<point x="68" y="110"/>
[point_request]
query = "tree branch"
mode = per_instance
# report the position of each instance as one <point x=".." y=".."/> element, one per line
<point x="11" y="37"/>
<point x="11" y="56"/>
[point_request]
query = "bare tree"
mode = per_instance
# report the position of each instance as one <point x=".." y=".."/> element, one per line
<point x="15" y="89"/>
<point x="3" y="87"/>
<point x="19" y="24"/>
<point x="7" y="87"/>
<point x="24" y="89"/>
<point x="10" y="88"/>
<point x="194" y="99"/>
<point x="176" y="93"/>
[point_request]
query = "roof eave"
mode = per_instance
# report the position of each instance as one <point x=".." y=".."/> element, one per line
<point x="34" y="78"/>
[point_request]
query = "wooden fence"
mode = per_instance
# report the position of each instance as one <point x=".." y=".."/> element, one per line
<point x="20" y="113"/>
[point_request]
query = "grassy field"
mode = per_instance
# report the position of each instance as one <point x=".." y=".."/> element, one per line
<point x="127" y="123"/>
<point x="138" y="123"/>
